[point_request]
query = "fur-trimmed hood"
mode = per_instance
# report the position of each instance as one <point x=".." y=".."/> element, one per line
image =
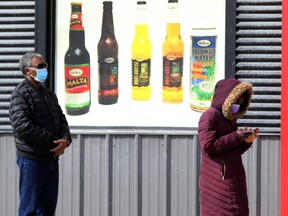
<point x="226" y="93"/>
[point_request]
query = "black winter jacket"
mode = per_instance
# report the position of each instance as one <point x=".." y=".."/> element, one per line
<point x="37" y="120"/>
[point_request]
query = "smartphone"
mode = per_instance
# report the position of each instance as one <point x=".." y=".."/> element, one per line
<point x="249" y="132"/>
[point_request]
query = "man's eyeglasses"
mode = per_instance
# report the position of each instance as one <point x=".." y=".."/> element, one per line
<point x="40" y="66"/>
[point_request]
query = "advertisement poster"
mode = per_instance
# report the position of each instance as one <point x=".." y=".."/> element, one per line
<point x="139" y="77"/>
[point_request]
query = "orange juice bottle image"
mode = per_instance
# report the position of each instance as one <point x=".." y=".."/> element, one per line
<point x="172" y="51"/>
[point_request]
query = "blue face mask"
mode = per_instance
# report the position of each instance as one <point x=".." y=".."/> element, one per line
<point x="41" y="75"/>
<point x="235" y="108"/>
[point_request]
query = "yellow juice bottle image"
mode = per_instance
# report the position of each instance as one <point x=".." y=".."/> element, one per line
<point x="172" y="50"/>
<point x="141" y="56"/>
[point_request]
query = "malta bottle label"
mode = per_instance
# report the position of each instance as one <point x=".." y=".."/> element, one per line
<point x="173" y="69"/>
<point x="77" y="85"/>
<point x="108" y="76"/>
<point x="203" y="52"/>
<point x="76" y="21"/>
<point x="141" y="72"/>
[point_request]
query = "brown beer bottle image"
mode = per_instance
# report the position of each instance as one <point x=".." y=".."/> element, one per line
<point x="107" y="59"/>
<point x="77" y="66"/>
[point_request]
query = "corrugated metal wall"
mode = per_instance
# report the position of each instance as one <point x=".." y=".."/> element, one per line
<point x="258" y="60"/>
<point x="143" y="173"/>
<point x="17" y="26"/>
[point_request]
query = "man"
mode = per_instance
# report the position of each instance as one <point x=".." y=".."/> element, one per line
<point x="222" y="182"/>
<point x="41" y="135"/>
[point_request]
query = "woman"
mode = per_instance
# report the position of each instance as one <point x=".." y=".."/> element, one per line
<point x="222" y="183"/>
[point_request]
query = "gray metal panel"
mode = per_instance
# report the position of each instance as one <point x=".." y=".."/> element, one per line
<point x="17" y="24"/>
<point x="270" y="175"/>
<point x="258" y="60"/>
<point x="140" y="173"/>
<point x="8" y="177"/>
<point x="262" y="172"/>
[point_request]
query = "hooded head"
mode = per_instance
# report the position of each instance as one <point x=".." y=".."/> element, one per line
<point x="228" y="92"/>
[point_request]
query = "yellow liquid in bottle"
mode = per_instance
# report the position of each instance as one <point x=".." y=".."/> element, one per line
<point x="173" y="49"/>
<point x="141" y="63"/>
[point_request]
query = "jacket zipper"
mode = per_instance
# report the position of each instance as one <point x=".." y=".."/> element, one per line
<point x="223" y="170"/>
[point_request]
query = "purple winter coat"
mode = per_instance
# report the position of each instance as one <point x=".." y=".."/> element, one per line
<point x="222" y="182"/>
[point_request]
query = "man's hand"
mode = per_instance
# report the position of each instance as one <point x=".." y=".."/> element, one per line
<point x="61" y="146"/>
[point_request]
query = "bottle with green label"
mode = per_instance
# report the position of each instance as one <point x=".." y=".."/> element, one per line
<point x="77" y="66"/>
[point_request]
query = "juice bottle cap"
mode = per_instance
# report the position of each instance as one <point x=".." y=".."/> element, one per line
<point x="76" y="3"/>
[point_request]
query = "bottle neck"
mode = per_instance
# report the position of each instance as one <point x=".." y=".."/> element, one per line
<point x="141" y="15"/>
<point x="76" y="34"/>
<point x="76" y="21"/>
<point x="173" y="30"/>
<point x="173" y="13"/>
<point x="141" y="30"/>
<point x="173" y="24"/>
<point x="141" y="27"/>
<point x="107" y="24"/>
<point x="76" y="38"/>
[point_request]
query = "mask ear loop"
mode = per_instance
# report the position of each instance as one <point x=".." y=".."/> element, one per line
<point x="32" y="76"/>
<point x="30" y="73"/>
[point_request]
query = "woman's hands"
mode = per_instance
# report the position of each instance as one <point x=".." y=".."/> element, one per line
<point x="248" y="135"/>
